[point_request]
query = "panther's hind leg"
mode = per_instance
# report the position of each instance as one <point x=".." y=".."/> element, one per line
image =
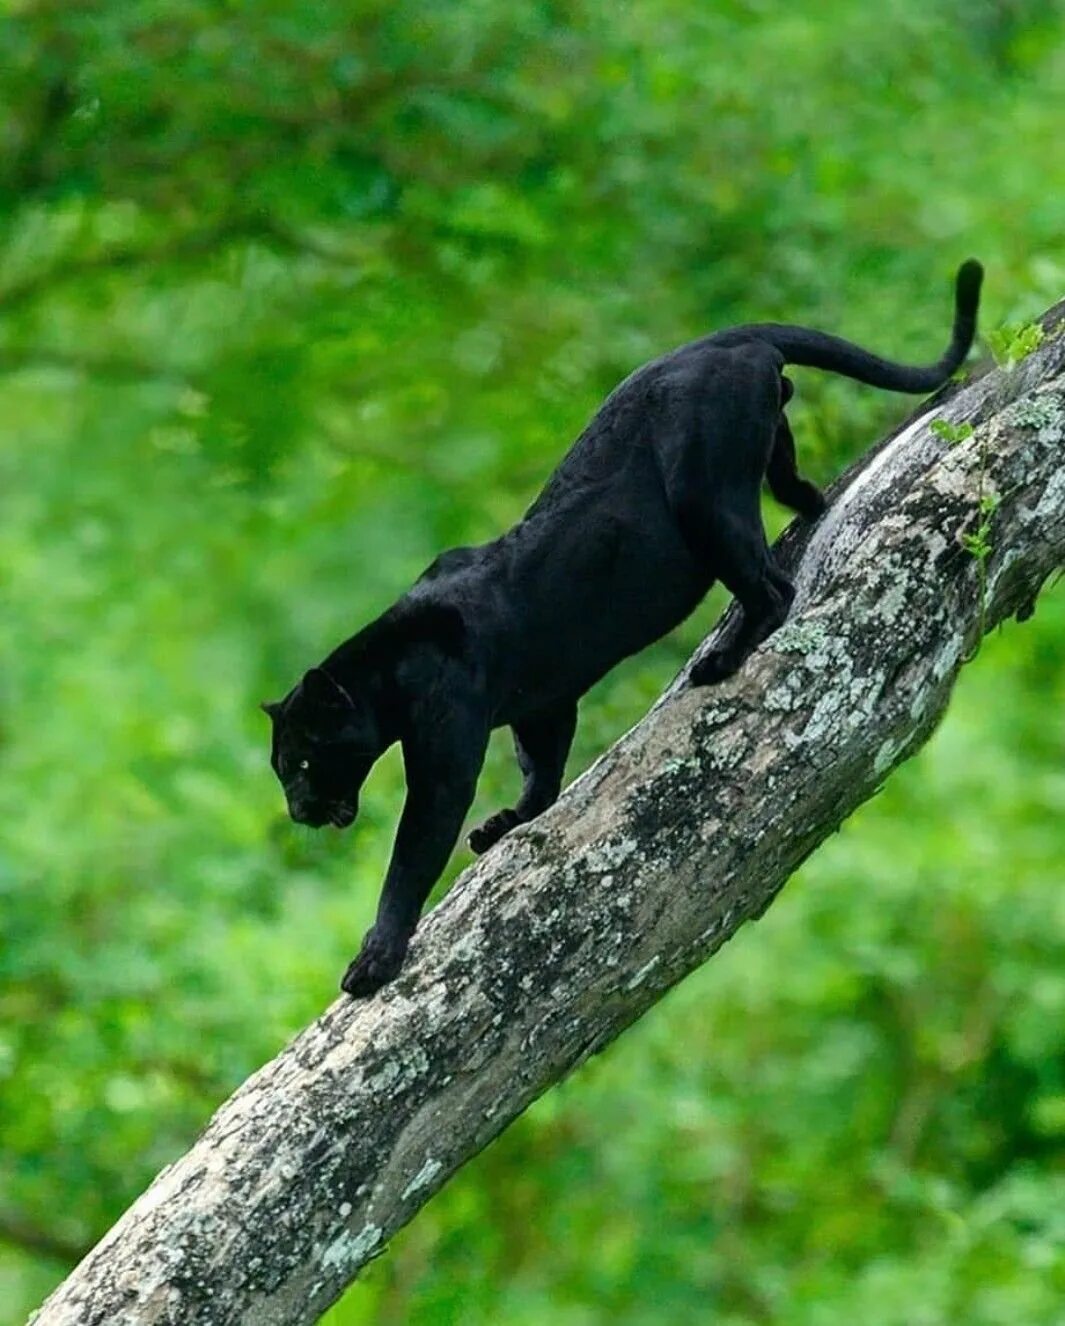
<point x="782" y="474"/>
<point x="542" y="744"/>
<point x="745" y="565"/>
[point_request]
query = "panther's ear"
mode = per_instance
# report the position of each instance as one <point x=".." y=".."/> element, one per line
<point x="320" y="689"/>
<point x="271" y="708"/>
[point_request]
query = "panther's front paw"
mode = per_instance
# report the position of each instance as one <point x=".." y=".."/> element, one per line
<point x="378" y="962"/>
<point x="486" y="835"/>
<point x="714" y="667"/>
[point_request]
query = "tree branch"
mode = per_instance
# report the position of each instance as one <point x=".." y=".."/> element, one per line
<point x="560" y="938"/>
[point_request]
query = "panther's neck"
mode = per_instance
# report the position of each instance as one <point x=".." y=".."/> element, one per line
<point x="410" y="621"/>
<point x="364" y="654"/>
<point x="367" y="664"/>
<point x="364" y="665"/>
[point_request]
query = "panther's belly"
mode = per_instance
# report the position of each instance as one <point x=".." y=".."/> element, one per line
<point x="600" y="591"/>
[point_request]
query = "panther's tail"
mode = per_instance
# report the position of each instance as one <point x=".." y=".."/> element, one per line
<point x="814" y="349"/>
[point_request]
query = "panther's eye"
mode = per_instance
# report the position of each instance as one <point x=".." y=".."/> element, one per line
<point x="305" y="764"/>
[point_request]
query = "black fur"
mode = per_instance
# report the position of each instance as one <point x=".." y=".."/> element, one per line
<point x="657" y="499"/>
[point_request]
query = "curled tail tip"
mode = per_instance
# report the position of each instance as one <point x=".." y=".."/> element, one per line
<point x="967" y="288"/>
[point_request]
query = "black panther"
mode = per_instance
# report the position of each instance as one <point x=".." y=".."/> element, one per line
<point x="657" y="499"/>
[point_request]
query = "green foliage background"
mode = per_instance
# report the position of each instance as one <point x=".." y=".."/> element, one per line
<point x="291" y="297"/>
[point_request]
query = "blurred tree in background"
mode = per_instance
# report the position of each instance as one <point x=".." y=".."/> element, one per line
<point x="293" y="296"/>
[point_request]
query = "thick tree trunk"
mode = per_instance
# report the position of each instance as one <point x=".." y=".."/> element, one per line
<point x="568" y="931"/>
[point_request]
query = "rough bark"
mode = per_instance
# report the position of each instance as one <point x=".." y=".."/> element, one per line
<point x="568" y="931"/>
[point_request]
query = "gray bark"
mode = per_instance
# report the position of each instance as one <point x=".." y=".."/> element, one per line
<point x="552" y="944"/>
